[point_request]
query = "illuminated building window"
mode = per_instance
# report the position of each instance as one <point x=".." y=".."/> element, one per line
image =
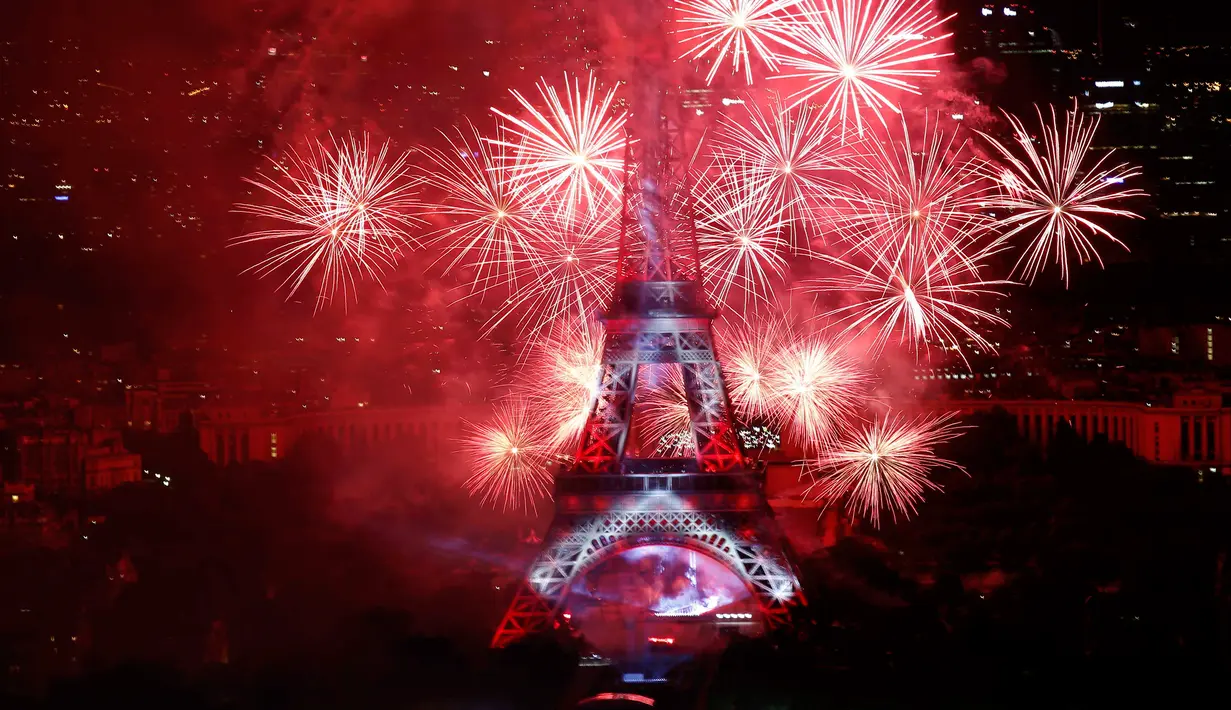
<point x="1209" y="343"/>
<point x="1175" y="345"/>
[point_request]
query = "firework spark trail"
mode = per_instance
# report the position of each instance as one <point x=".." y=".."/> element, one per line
<point x="572" y="152"/>
<point x="791" y="154"/>
<point x="560" y="382"/>
<point x="885" y="466"/>
<point x="666" y="424"/>
<point x="856" y="48"/>
<point x="1052" y="190"/>
<point x="748" y="353"/>
<point x="914" y="200"/>
<point x="739" y="237"/>
<point x="345" y="211"/>
<point x="927" y="299"/>
<point x="741" y="29"/>
<point x="567" y="272"/>
<point x="490" y="221"/>
<point x="509" y="458"/>
<point x="814" y="389"/>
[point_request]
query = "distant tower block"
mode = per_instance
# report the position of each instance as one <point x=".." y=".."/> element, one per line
<point x="607" y="501"/>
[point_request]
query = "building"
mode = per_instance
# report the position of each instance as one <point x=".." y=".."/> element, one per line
<point x="1198" y="344"/>
<point x="164" y="406"/>
<point x="65" y="460"/>
<point x="1194" y="429"/>
<point x="231" y="435"/>
<point x="1023" y="46"/>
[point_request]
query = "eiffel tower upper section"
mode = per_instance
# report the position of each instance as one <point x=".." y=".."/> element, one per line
<point x="658" y="316"/>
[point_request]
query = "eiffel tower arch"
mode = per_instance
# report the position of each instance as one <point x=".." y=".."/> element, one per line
<point x="608" y="501"/>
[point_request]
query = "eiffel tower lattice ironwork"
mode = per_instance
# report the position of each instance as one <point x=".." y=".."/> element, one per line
<point x="608" y="501"/>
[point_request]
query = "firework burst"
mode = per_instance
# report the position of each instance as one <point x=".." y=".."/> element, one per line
<point x="914" y="198"/>
<point x="748" y="354"/>
<point x="560" y="381"/>
<point x="509" y="457"/>
<point x="343" y="211"/>
<point x="739" y="237"/>
<point x="885" y="466"/>
<point x="1052" y="190"/>
<point x="666" y="421"/>
<point x="814" y="389"/>
<point x="739" y="29"/>
<point x="926" y="299"/>
<point x="488" y="219"/>
<point x="855" y="49"/>
<point x="790" y="154"/>
<point x="566" y="273"/>
<point x="571" y="152"/>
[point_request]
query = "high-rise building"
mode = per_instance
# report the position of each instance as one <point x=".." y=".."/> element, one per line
<point x="1025" y="50"/>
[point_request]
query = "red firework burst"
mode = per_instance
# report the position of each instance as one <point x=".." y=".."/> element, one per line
<point x="885" y="466"/>
<point x="664" y="416"/>
<point x="854" y="49"/>
<point x="571" y="151"/>
<point x="560" y="381"/>
<point x="791" y="155"/>
<point x="739" y="29"/>
<point x="927" y="299"/>
<point x="748" y="354"/>
<point x="509" y="459"/>
<point x="566" y="273"/>
<point x="914" y="199"/>
<point x="1056" y="190"/>
<point x="489" y="220"/>
<point x="814" y="389"/>
<point x="739" y="237"/>
<point x="344" y="210"/>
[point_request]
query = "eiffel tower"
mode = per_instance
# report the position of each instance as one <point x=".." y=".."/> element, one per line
<point x="608" y="501"/>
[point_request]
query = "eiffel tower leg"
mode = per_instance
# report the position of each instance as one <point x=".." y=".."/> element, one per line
<point x="606" y="432"/>
<point x="529" y="614"/>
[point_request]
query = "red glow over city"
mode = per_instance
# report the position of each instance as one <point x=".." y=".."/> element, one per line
<point x="670" y="353"/>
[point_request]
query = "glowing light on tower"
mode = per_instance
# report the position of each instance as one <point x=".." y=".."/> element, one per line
<point x="343" y="211"/>
<point x="854" y="50"/>
<point x="1054" y="191"/>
